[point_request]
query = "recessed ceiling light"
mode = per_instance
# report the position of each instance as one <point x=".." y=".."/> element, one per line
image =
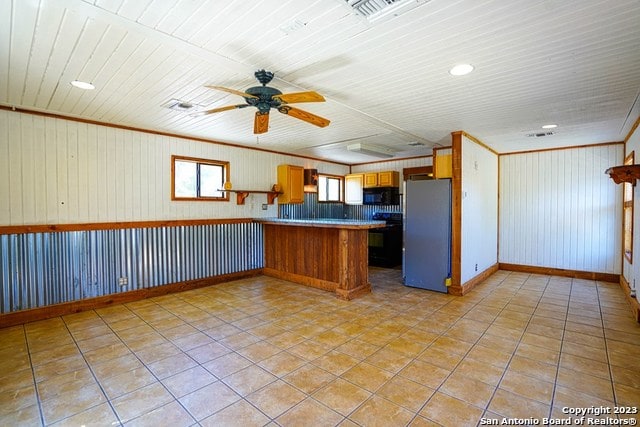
<point x="549" y="126"/>
<point x="461" y="69"/>
<point x="82" y="85"/>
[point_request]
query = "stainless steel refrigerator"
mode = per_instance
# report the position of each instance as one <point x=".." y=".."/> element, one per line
<point x="427" y="234"/>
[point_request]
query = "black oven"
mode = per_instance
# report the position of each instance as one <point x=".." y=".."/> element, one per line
<point x="385" y="244"/>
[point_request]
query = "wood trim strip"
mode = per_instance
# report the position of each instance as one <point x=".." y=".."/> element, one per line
<point x="35" y="314"/>
<point x="632" y="130"/>
<point x="633" y="302"/>
<point x="456" y="208"/>
<point x="480" y="143"/>
<point x="155" y="132"/>
<point x="576" y="274"/>
<point x="511" y="153"/>
<point x="472" y="283"/>
<point x="49" y="228"/>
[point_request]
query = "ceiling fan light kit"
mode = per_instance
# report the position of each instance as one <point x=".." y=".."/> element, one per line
<point x="264" y="98"/>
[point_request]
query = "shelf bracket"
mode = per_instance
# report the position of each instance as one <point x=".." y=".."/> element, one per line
<point x="624" y="173"/>
<point x="240" y="196"/>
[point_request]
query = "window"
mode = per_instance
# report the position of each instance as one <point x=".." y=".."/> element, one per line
<point x="627" y="219"/>
<point x="330" y="188"/>
<point x="198" y="179"/>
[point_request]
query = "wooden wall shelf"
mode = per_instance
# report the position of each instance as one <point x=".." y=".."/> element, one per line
<point x="624" y="173"/>
<point x="243" y="194"/>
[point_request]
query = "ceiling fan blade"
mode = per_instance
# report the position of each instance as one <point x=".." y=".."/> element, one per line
<point x="304" y="115"/>
<point x="233" y="91"/>
<point x="218" y="110"/>
<point x="292" y="98"/>
<point x="261" y="122"/>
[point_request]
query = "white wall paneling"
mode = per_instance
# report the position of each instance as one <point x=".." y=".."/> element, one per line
<point x="479" y="209"/>
<point x="559" y="209"/>
<point x="57" y="171"/>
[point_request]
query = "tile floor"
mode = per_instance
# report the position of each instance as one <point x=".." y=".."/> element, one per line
<point x="267" y="352"/>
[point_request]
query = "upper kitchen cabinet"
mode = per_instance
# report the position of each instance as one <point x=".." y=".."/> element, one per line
<point x="381" y="179"/>
<point x="353" y="184"/>
<point x="443" y="166"/>
<point x="291" y="182"/>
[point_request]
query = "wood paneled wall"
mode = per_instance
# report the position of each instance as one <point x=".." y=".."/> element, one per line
<point x="479" y="228"/>
<point x="58" y="171"/>
<point x="559" y="209"/>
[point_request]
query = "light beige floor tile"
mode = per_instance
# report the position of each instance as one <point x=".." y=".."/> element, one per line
<point x="15" y="400"/>
<point x="241" y="413"/>
<point x="342" y="396"/>
<point x="378" y="411"/>
<point x="511" y="405"/>
<point x="449" y="411"/>
<point x="188" y="381"/>
<point x="141" y="401"/>
<point x="309" y="378"/>
<point x="282" y="363"/>
<point x="200" y="403"/>
<point x="425" y="373"/>
<point x="276" y="398"/>
<point x="171" y="365"/>
<point x="100" y="416"/>
<point x="72" y="402"/>
<point x="527" y="386"/>
<point x="226" y="365"/>
<point x="588" y="384"/>
<point x="405" y="393"/>
<point x="171" y="414"/>
<point x="367" y="376"/>
<point x="309" y="412"/>
<point x="126" y="382"/>
<point x="468" y="390"/>
<point x="249" y="379"/>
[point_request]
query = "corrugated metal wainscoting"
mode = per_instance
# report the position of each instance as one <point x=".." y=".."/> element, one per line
<point x="40" y="269"/>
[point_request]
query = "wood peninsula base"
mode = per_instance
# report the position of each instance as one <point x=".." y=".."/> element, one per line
<point x="326" y="254"/>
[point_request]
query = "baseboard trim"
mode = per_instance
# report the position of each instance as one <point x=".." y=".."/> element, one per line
<point x="461" y="290"/>
<point x="41" y="313"/>
<point x="633" y="302"/>
<point x="576" y="274"/>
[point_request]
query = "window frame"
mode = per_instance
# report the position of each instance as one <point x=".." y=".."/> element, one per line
<point x="627" y="213"/>
<point x="199" y="161"/>
<point x="340" y="179"/>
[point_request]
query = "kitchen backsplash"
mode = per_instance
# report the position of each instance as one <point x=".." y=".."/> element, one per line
<point x="311" y="208"/>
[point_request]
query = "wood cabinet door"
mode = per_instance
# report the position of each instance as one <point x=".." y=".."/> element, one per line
<point x="296" y="184"/>
<point x="385" y="179"/>
<point x="370" y="179"/>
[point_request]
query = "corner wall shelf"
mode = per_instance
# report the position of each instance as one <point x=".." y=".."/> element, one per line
<point x="243" y="194"/>
<point x="624" y="173"/>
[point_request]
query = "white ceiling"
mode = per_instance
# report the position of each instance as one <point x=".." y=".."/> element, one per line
<point x="571" y="62"/>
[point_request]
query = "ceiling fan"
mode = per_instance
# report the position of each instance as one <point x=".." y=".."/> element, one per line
<point x="264" y="98"/>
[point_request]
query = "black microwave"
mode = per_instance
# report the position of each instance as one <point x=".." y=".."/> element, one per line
<point x="381" y="196"/>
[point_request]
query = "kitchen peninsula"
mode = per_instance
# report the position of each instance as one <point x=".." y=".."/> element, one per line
<point x="329" y="254"/>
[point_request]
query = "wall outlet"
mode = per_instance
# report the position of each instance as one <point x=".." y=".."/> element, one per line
<point x="265" y="206"/>
<point x="476" y="267"/>
<point x="123" y="281"/>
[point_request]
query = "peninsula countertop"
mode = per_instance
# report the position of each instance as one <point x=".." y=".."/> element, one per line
<point x="323" y="222"/>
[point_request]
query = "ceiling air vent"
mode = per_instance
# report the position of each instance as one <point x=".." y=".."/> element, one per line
<point x="178" y="105"/>
<point x="539" y="134"/>
<point x="376" y="9"/>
